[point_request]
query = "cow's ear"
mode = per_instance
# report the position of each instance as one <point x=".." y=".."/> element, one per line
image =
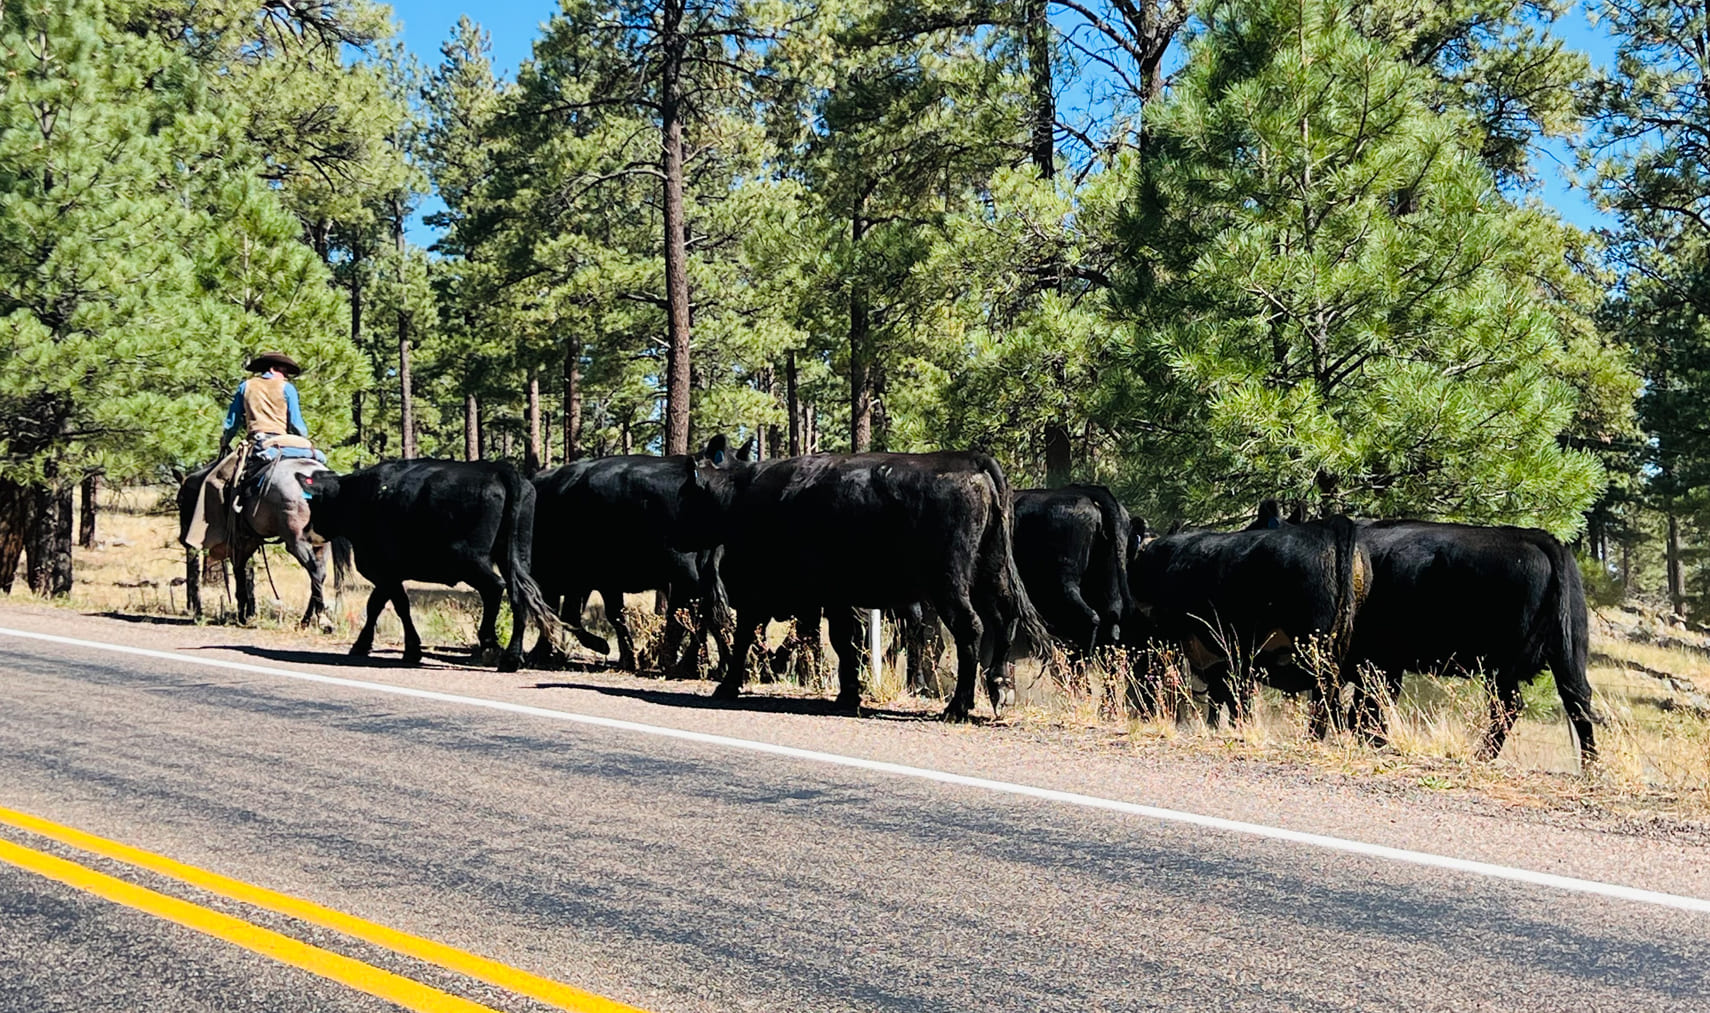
<point x="747" y="451"/>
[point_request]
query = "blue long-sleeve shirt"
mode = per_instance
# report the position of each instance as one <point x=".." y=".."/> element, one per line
<point x="293" y="413"/>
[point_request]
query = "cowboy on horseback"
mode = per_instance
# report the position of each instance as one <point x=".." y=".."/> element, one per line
<point x="232" y="507"/>
<point x="265" y="407"/>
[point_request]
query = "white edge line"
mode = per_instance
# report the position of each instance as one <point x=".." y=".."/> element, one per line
<point x="1383" y="851"/>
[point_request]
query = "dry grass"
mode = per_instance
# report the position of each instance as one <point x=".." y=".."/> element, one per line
<point x="1652" y="687"/>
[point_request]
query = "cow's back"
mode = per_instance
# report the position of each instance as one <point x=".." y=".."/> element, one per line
<point x="876" y="530"/>
<point x="610" y="521"/>
<point x="1454" y="592"/>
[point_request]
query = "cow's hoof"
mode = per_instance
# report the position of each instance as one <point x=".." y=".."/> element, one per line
<point x="626" y="663"/>
<point x="413" y="657"/>
<point x="725" y="691"/>
<point x="510" y="662"/>
<point x="957" y="711"/>
<point x="359" y="650"/>
<point x="845" y="702"/>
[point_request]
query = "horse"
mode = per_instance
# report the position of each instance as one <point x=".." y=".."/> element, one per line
<point x="276" y="510"/>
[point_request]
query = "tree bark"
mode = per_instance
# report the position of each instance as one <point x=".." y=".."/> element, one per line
<point x="1059" y="455"/>
<point x="406" y="396"/>
<point x="572" y="399"/>
<point x="90" y="491"/>
<point x="793" y="404"/>
<point x="1043" y="140"/>
<point x="47" y="545"/>
<point x="14" y="521"/>
<point x="533" y="459"/>
<point x="1676" y="571"/>
<point x="471" y="428"/>
<point x="860" y="366"/>
<point x="678" y="377"/>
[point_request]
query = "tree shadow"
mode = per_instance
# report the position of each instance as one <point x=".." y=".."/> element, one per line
<point x="808" y="706"/>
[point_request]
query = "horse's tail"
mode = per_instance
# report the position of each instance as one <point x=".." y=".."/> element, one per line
<point x="516" y="533"/>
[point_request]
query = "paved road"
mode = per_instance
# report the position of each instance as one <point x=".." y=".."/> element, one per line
<point x="678" y="875"/>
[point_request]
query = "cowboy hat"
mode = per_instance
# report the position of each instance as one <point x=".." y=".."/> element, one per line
<point x="274" y="360"/>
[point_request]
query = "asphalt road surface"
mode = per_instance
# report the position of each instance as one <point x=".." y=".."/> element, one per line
<point x="681" y="874"/>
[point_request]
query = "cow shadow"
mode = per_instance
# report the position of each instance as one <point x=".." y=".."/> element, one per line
<point x="142" y="617"/>
<point x="343" y="659"/>
<point x="806" y="706"/>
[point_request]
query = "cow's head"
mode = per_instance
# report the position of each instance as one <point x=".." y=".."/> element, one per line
<point x="703" y="502"/>
<point x="320" y="488"/>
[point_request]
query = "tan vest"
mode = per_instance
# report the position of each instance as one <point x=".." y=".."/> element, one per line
<point x="264" y="405"/>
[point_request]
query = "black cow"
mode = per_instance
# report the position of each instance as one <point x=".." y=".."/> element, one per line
<point x="608" y="525"/>
<point x="844" y="531"/>
<point x="1233" y="598"/>
<point x="444" y="522"/>
<point x="1071" y="548"/>
<point x="1458" y="597"/>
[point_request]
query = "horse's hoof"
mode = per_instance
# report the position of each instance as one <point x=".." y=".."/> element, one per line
<point x="726" y="691"/>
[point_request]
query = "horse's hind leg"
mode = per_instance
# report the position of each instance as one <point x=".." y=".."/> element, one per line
<point x="310" y="556"/>
<point x="243" y="577"/>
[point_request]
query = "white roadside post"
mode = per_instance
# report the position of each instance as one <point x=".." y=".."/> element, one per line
<point x="873" y="645"/>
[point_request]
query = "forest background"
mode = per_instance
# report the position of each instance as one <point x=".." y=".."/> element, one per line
<point x="1205" y="253"/>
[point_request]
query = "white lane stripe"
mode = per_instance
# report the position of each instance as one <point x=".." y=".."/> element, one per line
<point x="1404" y="855"/>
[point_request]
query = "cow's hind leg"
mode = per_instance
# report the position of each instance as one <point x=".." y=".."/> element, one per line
<point x="967" y="630"/>
<point x="412" y="639"/>
<point x="846" y="641"/>
<point x="492" y="591"/>
<point x="1505" y="706"/>
<point x="620" y="626"/>
<point x="737" y="672"/>
<point x="377" y="600"/>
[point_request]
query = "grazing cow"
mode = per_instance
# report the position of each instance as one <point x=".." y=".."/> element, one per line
<point x="1071" y="548"/>
<point x="444" y="522"/>
<point x="1249" y="597"/>
<point x="1459" y="597"/>
<point x="608" y="525"/>
<point x="844" y="531"/>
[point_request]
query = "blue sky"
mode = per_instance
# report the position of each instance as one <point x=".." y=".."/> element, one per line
<point x="514" y="26"/>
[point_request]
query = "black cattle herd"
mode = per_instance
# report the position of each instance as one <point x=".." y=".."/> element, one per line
<point x="942" y="537"/>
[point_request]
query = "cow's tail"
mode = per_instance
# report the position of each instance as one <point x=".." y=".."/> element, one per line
<point x="516" y="532"/>
<point x="1118" y="526"/>
<point x="1567" y="644"/>
<point x="1353" y="574"/>
<point x="341" y="561"/>
<point x="1030" y="636"/>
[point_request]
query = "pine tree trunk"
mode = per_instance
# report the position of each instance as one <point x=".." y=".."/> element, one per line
<point x="860" y="367"/>
<point x="86" y="514"/>
<point x="406" y="395"/>
<point x="471" y="428"/>
<point x="533" y="459"/>
<point x="572" y="399"/>
<point x="1059" y="455"/>
<point x="14" y="521"/>
<point x="678" y="375"/>
<point x="47" y="545"/>
<point x="1676" y="572"/>
<point x="1042" y="146"/>
<point x="356" y="341"/>
<point x="793" y="404"/>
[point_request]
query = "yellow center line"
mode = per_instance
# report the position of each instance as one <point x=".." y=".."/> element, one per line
<point x="546" y="990"/>
<point x="409" y="994"/>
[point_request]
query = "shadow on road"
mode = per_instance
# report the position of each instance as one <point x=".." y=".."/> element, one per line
<point x="379" y="659"/>
<point x="139" y="617"/>
<point x="809" y="706"/>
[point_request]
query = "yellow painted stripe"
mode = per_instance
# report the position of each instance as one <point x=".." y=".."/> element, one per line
<point x="409" y="994"/>
<point x="546" y="990"/>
